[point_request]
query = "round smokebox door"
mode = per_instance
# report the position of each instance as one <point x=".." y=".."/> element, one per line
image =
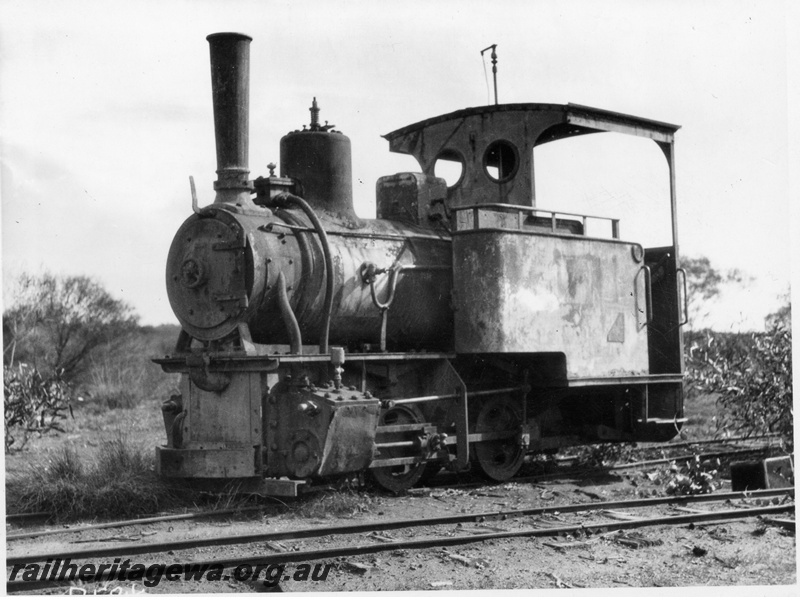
<point x="206" y="281"/>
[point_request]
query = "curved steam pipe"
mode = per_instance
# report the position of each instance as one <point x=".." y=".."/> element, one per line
<point x="292" y="328"/>
<point x="284" y="199"/>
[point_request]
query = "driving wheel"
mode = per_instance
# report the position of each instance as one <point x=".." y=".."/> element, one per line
<point x="498" y="459"/>
<point x="402" y="476"/>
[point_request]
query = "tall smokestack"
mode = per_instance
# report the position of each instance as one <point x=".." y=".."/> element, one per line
<point x="230" y="87"/>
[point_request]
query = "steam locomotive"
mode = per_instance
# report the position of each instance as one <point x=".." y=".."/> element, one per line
<point x="464" y="327"/>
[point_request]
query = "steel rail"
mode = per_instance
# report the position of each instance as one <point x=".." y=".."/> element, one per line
<point x="13" y="518"/>
<point x="335" y="552"/>
<point x="721" y="440"/>
<point x="704" y="456"/>
<point x="141" y="548"/>
<point x="647" y="447"/>
<point x="589" y="471"/>
<point x="131" y="522"/>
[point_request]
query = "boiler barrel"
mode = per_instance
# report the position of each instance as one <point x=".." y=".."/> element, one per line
<point x="224" y="272"/>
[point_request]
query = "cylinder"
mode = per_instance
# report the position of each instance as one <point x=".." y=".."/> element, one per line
<point x="230" y="88"/>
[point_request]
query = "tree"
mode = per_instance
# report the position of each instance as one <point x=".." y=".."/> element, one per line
<point x="704" y="283"/>
<point x="783" y="316"/>
<point x="55" y="323"/>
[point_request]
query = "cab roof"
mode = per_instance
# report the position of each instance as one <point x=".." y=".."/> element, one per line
<point x="570" y="120"/>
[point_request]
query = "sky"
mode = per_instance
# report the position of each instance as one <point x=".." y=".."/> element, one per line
<point x="105" y="111"/>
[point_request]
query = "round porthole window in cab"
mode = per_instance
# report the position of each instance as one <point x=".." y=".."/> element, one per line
<point x="449" y="165"/>
<point x="500" y="161"/>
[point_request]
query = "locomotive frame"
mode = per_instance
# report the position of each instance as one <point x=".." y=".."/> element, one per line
<point x="463" y="327"/>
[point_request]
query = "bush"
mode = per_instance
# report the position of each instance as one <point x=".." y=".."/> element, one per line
<point x="56" y="322"/>
<point x="693" y="478"/>
<point x="750" y="373"/>
<point x="118" y="482"/>
<point x="33" y="405"/>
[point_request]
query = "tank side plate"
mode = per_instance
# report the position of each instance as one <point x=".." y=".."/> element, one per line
<point x="537" y="293"/>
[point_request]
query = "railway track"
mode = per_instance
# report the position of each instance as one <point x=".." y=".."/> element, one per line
<point x="439" y="531"/>
<point x="567" y="462"/>
<point x="443" y="480"/>
<point x="571" y="466"/>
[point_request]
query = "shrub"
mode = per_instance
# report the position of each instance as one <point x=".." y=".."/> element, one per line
<point x="693" y="478"/>
<point x="119" y="481"/>
<point x="33" y="405"/>
<point x="752" y="376"/>
<point x="602" y="455"/>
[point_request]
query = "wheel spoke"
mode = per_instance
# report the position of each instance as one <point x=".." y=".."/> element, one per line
<point x="404" y="476"/>
<point x="501" y="459"/>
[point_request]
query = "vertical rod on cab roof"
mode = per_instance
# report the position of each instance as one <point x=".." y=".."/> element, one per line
<point x="493" y="48"/>
<point x="230" y="87"/>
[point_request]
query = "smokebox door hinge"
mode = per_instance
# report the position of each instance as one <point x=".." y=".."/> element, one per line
<point x="241" y="299"/>
<point x="229" y="245"/>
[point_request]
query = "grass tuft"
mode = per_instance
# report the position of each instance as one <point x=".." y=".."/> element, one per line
<point x="119" y="482"/>
<point x="343" y="502"/>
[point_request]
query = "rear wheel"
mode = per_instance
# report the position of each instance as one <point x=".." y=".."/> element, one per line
<point x="499" y="459"/>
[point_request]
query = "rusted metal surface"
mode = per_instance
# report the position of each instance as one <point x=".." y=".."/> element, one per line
<point x="218" y="431"/>
<point x="322" y="431"/>
<point x="528" y="292"/>
<point x="349" y="440"/>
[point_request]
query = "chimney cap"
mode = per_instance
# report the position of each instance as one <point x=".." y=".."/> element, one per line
<point x="229" y="34"/>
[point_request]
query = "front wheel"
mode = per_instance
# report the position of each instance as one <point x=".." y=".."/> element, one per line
<point x="400" y="477"/>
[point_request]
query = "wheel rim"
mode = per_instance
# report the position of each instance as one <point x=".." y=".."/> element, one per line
<point x="404" y="476"/>
<point x="500" y="459"/>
